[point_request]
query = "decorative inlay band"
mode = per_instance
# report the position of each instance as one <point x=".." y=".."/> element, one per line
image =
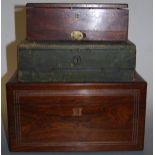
<point x="85" y="92"/>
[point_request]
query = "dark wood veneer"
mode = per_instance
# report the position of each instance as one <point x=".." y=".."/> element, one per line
<point x="95" y="21"/>
<point x="76" y="116"/>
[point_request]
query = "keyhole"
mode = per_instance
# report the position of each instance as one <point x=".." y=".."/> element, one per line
<point x="77" y="16"/>
<point x="76" y="60"/>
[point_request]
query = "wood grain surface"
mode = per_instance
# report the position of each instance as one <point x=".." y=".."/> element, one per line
<point x="76" y="116"/>
<point x="95" y="21"/>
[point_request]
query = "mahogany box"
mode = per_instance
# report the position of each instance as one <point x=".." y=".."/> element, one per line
<point x="50" y="21"/>
<point x="76" y="116"/>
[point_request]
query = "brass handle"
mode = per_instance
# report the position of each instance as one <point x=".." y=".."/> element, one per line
<point x="77" y="35"/>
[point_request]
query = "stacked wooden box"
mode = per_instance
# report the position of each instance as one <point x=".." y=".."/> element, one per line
<point x="76" y="88"/>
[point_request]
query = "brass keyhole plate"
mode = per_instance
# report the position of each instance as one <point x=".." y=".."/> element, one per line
<point x="76" y="60"/>
<point x="77" y="111"/>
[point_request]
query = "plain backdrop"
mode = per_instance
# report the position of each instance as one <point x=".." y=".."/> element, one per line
<point x="140" y="32"/>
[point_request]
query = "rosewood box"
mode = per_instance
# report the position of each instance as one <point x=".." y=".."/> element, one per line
<point x="91" y="21"/>
<point x="76" y="116"/>
<point x="81" y="61"/>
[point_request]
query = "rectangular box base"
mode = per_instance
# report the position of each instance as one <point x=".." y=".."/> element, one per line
<point x="76" y="116"/>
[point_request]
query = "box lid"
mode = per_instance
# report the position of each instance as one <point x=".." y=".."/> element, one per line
<point x="78" y="5"/>
<point x="26" y="44"/>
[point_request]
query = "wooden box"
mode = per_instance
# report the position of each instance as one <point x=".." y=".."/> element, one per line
<point x="47" y="21"/>
<point x="76" y="116"/>
<point x="68" y="61"/>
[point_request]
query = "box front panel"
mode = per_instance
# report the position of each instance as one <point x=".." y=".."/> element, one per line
<point x="45" y="60"/>
<point x="94" y="23"/>
<point x="76" y="118"/>
<point x="104" y="75"/>
<point x="76" y="65"/>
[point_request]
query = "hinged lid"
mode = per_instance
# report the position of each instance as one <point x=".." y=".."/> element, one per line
<point x="58" y="21"/>
<point x="78" y="5"/>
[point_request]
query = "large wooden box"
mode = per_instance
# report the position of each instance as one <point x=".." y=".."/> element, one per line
<point x="76" y="116"/>
<point x="69" y="61"/>
<point x="95" y="21"/>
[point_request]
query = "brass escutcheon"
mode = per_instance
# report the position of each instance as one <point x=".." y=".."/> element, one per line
<point x="77" y="111"/>
<point x="76" y="60"/>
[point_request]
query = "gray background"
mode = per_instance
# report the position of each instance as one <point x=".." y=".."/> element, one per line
<point x="140" y="32"/>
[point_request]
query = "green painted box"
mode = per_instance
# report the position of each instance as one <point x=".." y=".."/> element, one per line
<point x="76" y="61"/>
